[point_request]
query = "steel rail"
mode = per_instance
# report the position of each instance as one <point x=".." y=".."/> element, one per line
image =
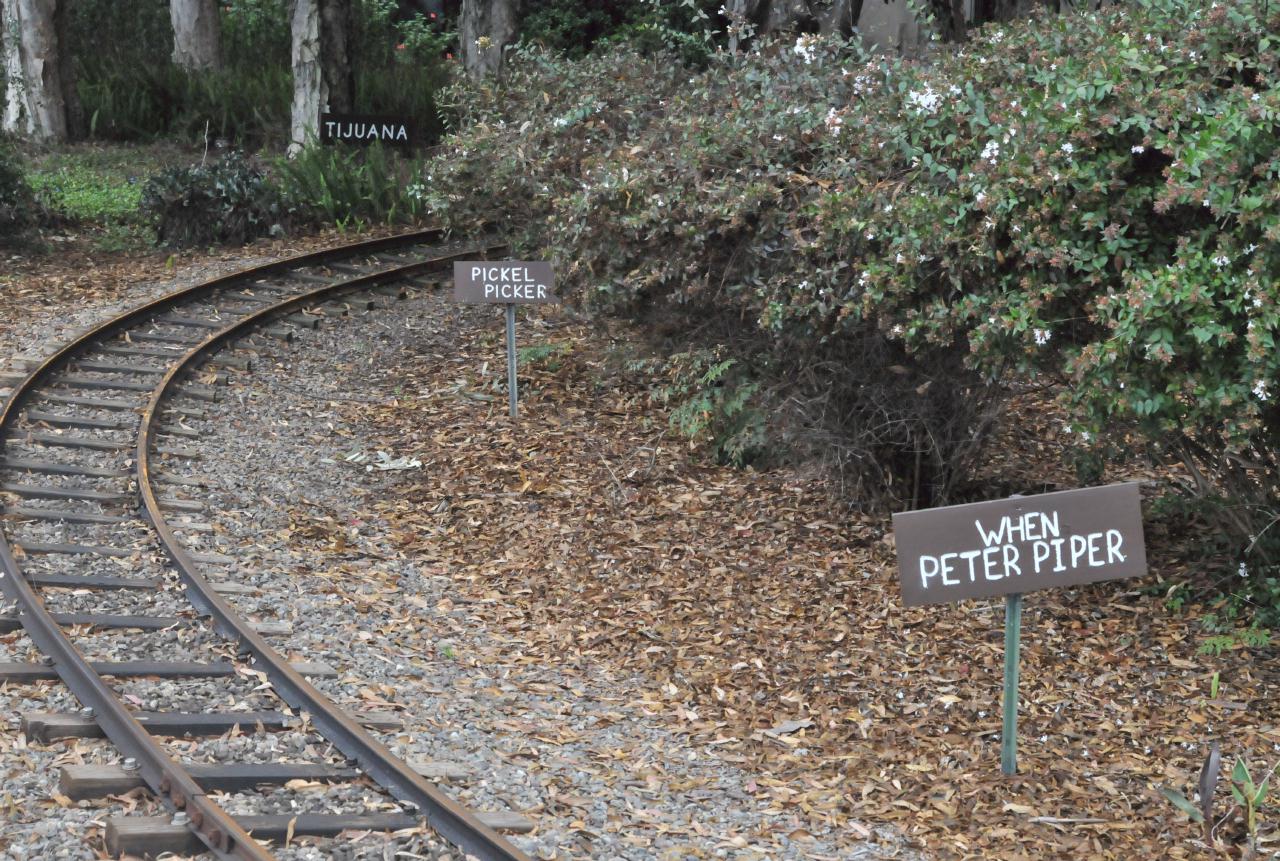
<point x="216" y="829"/>
<point x="450" y="819"/>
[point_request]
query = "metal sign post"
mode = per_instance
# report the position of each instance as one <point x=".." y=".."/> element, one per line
<point x="511" y="357"/>
<point x="510" y="283"/>
<point x="1012" y="640"/>
<point x="1007" y="547"/>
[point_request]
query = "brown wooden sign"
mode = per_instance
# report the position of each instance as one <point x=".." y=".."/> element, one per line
<point x="503" y="282"/>
<point x="1021" y="544"/>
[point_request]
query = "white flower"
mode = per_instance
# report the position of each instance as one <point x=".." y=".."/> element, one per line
<point x="1067" y="148"/>
<point x="1042" y="336"/>
<point x="980" y="198"/>
<point x="899" y="259"/>
<point x="1255" y="97"/>
<point x="1243" y="570"/>
<point x="834" y="121"/>
<point x="1221" y="260"/>
<point x="925" y="101"/>
<point x="1138" y="150"/>
<point x="991" y="151"/>
<point x="1250" y="248"/>
<point x="864" y="279"/>
<point x="1260" y="390"/>
<point x="806" y="48"/>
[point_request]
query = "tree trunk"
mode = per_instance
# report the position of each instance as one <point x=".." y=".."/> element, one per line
<point x="322" y="77"/>
<point x="15" y="94"/>
<point x="335" y="54"/>
<point x="77" y="129"/>
<point x="309" y="91"/>
<point x="487" y="27"/>
<point x="36" y="104"/>
<point x="786" y="15"/>
<point x="196" y="38"/>
<point x="841" y="18"/>
<point x="776" y="16"/>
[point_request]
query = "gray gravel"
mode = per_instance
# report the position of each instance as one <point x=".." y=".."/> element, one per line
<point x="617" y="784"/>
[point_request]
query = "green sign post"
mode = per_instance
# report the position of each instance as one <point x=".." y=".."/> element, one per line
<point x="1007" y="547"/>
<point x="1012" y="639"/>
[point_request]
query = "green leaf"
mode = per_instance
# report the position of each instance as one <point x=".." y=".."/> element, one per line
<point x="1184" y="804"/>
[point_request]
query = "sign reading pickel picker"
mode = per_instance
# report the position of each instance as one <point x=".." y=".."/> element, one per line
<point x="1016" y="545"/>
<point x="510" y="283"/>
<point x="365" y="129"/>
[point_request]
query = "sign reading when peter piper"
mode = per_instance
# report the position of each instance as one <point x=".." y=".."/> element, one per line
<point x="365" y="129"/>
<point x="1020" y="544"/>
<point x="1010" y="546"/>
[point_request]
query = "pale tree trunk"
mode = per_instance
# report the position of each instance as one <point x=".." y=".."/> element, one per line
<point x="322" y="77"/>
<point x="197" y="42"/>
<point x="15" y="119"/>
<point x="309" y="91"/>
<point x="486" y="28"/>
<point x="36" y="104"/>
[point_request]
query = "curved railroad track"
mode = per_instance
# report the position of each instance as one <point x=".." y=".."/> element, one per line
<point x="91" y="441"/>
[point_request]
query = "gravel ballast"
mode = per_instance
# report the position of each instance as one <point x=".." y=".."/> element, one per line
<point x="598" y="776"/>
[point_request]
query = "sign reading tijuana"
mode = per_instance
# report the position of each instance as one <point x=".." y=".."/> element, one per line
<point x="1007" y="546"/>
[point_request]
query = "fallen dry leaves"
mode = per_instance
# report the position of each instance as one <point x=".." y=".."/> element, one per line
<point x="66" y="271"/>
<point x="766" y="619"/>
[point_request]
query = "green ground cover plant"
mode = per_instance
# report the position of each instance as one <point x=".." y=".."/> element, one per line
<point x="98" y="188"/>
<point x="1087" y="201"/>
<point x="230" y="201"/>
<point x="17" y="204"/>
<point x="351" y="186"/>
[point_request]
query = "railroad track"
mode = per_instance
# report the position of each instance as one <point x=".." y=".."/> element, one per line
<point x="97" y="440"/>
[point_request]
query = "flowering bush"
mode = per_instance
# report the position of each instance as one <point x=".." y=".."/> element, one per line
<point x="1089" y="197"/>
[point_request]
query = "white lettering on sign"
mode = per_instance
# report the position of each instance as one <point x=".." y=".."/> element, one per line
<point x="515" y="291"/>
<point x="504" y="282"/>
<point x="335" y="130"/>
<point x="1000" y="558"/>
